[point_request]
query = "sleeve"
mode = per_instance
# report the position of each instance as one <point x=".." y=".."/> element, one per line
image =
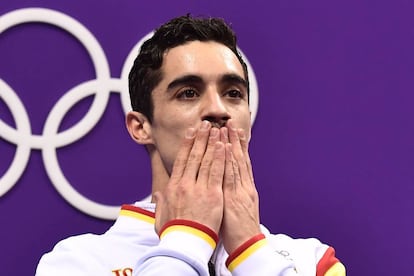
<point x="185" y="248"/>
<point x="65" y="259"/>
<point x="329" y="265"/>
<point x="258" y="257"/>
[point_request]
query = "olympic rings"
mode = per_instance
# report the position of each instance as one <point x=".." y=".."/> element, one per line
<point x="51" y="139"/>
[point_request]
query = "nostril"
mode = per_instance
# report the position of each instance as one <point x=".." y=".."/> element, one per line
<point x="209" y="118"/>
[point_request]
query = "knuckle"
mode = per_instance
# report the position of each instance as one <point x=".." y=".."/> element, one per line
<point x="205" y="166"/>
<point x="180" y="163"/>
<point x="194" y="157"/>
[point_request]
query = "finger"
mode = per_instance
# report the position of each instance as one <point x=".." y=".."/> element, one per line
<point x="197" y="151"/>
<point x="218" y="165"/>
<point x="234" y="140"/>
<point x="208" y="158"/>
<point x="224" y="135"/>
<point x="229" y="181"/>
<point x="236" y="171"/>
<point x="182" y="156"/>
<point x="238" y="154"/>
<point x="245" y="148"/>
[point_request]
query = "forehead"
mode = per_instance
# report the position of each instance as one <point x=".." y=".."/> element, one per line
<point x="207" y="59"/>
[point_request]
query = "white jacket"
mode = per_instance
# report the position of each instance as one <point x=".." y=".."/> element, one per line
<point x="132" y="247"/>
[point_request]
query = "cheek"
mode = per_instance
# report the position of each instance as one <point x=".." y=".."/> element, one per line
<point x="246" y="125"/>
<point x="176" y="118"/>
<point x="249" y="132"/>
<point x="169" y="127"/>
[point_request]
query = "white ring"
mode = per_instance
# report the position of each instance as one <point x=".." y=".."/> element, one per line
<point x="51" y="139"/>
<point x="21" y="137"/>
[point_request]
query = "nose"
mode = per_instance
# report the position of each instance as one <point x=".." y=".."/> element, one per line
<point x="214" y="110"/>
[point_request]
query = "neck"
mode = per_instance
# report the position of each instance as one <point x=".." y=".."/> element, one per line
<point x="160" y="176"/>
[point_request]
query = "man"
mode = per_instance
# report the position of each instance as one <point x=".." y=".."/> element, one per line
<point x="189" y="91"/>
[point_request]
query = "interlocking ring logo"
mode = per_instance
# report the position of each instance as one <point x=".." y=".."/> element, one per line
<point x="51" y="139"/>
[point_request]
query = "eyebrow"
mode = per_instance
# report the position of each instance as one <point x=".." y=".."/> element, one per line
<point x="196" y="79"/>
<point x="234" y="79"/>
<point x="187" y="79"/>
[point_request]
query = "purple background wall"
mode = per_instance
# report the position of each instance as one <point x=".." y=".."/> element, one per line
<point x="333" y="139"/>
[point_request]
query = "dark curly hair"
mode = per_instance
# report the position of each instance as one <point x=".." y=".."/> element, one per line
<point x="146" y="73"/>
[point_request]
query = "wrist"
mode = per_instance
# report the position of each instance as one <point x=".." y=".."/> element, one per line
<point x="190" y="227"/>
<point x="245" y="250"/>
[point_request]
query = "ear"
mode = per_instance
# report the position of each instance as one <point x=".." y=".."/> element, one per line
<point x="139" y="128"/>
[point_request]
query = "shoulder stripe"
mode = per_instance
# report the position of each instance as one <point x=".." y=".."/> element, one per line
<point x="328" y="262"/>
<point x="338" y="269"/>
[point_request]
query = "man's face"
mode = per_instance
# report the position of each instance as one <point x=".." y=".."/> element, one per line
<point x="201" y="81"/>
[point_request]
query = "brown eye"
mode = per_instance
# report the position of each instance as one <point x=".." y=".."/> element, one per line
<point x="187" y="94"/>
<point x="234" y="94"/>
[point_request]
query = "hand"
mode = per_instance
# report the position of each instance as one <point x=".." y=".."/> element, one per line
<point x="194" y="191"/>
<point x="241" y="201"/>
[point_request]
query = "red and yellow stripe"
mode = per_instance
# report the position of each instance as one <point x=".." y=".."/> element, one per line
<point x="329" y="265"/>
<point x="191" y="227"/>
<point x="244" y="251"/>
<point x="138" y="213"/>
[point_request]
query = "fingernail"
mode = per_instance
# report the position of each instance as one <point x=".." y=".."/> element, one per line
<point x="213" y="132"/>
<point x="190" y="133"/>
<point x="219" y="145"/>
<point x="224" y="132"/>
<point x="205" y="124"/>
<point x="230" y="124"/>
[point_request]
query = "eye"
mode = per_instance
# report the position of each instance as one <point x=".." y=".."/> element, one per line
<point x="234" y="94"/>
<point x="187" y="94"/>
